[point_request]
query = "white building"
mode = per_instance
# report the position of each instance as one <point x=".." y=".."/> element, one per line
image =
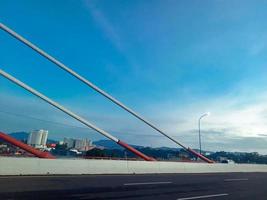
<point x="38" y="138"/>
<point x="69" y="142"/>
<point x="79" y="144"/>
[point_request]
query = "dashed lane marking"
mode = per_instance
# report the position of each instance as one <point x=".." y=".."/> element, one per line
<point x="204" y="196"/>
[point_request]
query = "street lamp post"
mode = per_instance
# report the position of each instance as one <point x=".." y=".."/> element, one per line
<point x="199" y="135"/>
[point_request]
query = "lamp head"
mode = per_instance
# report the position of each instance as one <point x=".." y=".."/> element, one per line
<point x="207" y="113"/>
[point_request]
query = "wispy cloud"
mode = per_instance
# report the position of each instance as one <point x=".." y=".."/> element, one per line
<point x="113" y="34"/>
<point x="105" y="25"/>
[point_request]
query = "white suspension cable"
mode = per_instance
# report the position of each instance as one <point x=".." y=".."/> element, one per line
<point x="84" y="80"/>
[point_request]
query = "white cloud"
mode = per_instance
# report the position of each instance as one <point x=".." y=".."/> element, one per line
<point x="105" y="25"/>
<point x="229" y="128"/>
<point x="236" y="118"/>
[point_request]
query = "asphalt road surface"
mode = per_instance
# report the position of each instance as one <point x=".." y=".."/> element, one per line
<point x="222" y="186"/>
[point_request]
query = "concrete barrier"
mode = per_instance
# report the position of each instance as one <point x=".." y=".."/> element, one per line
<point x="36" y="166"/>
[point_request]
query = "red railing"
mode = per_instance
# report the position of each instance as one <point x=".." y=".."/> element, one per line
<point x="17" y="143"/>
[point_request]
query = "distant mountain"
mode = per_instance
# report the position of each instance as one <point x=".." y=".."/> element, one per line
<point x="20" y="135"/>
<point x="108" y="144"/>
<point x="51" y="141"/>
<point x="168" y="148"/>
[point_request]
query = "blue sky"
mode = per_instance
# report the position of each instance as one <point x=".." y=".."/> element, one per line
<point x="171" y="61"/>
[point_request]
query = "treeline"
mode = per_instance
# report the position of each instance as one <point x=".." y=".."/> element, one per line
<point x="240" y="157"/>
<point x="163" y="154"/>
<point x="179" y="154"/>
<point x="155" y="153"/>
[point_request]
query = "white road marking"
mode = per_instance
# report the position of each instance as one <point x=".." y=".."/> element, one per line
<point x="148" y="183"/>
<point x="204" y="196"/>
<point x="236" y="179"/>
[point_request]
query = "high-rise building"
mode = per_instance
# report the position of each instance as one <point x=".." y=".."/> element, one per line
<point x="44" y="137"/>
<point x="82" y="145"/>
<point x="79" y="144"/>
<point x="69" y="142"/>
<point x="38" y="138"/>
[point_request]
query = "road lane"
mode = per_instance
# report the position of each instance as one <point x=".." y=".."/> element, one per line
<point x="148" y="183"/>
<point x="113" y="186"/>
<point x="236" y="179"/>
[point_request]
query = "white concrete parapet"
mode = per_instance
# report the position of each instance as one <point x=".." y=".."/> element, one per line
<point x="36" y="166"/>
